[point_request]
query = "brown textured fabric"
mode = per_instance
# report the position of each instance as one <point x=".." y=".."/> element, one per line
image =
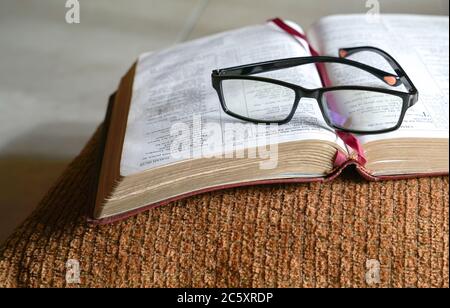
<point x="302" y="235"/>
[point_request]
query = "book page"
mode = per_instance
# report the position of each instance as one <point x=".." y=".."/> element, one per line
<point x="174" y="107"/>
<point x="419" y="43"/>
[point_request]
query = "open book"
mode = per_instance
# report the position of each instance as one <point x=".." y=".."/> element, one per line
<point x="169" y="138"/>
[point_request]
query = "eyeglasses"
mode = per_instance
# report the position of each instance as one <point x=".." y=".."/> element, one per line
<point x="354" y="109"/>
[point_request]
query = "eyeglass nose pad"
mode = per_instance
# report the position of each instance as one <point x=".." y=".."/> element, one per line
<point x="343" y="53"/>
<point x="391" y="80"/>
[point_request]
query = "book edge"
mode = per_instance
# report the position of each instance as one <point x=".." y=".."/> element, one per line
<point x="114" y="136"/>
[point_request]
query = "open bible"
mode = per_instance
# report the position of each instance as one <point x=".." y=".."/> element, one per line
<point x="167" y="136"/>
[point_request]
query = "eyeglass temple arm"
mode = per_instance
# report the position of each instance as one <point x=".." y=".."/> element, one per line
<point x="268" y="66"/>
<point x="345" y="52"/>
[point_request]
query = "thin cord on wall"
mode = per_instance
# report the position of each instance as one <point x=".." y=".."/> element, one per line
<point x="192" y="21"/>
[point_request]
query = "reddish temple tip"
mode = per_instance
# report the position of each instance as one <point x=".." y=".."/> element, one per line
<point x="390" y="80"/>
<point x="343" y="53"/>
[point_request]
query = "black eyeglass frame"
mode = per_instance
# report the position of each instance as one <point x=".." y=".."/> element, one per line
<point x="244" y="72"/>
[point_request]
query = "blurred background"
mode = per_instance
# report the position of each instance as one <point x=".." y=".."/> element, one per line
<point x="55" y="78"/>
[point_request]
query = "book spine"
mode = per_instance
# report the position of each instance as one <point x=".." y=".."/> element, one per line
<point x="349" y="139"/>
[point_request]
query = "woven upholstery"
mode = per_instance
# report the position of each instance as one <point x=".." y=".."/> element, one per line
<point x="296" y="235"/>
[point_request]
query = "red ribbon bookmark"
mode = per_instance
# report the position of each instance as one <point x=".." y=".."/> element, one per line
<point x="353" y="142"/>
<point x="288" y="29"/>
<point x="349" y="139"/>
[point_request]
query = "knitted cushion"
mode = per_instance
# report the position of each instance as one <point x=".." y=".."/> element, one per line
<point x="298" y="235"/>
